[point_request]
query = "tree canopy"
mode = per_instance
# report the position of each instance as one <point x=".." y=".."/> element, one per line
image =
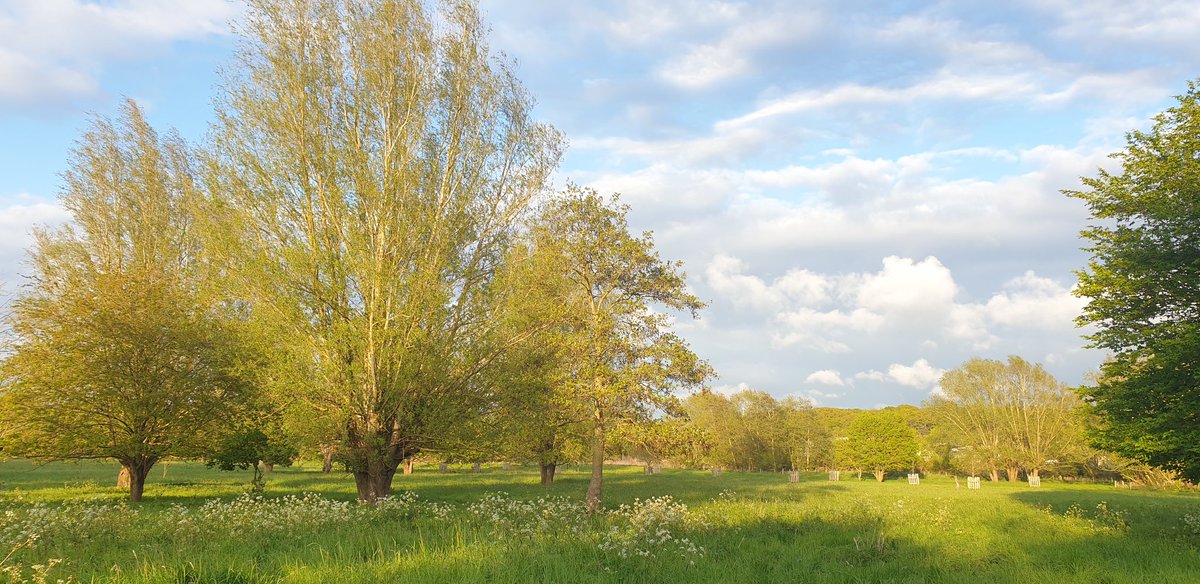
<point x="1142" y="284"/>
<point x="371" y="160"/>
<point x="117" y="352"/>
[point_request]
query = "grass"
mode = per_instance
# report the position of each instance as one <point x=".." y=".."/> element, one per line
<point x="197" y="525"/>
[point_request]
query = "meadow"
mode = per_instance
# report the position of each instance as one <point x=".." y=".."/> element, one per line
<point x="200" y="525"/>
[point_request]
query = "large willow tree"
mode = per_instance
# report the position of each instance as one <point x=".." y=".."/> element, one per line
<point x="371" y="159"/>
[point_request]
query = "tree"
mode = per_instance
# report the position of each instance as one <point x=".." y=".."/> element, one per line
<point x="1012" y="413"/>
<point x="1142" y="284"/>
<point x="117" y="353"/>
<point x="880" y="442"/>
<point x="723" y="434"/>
<point x="807" y="438"/>
<point x="370" y="163"/>
<point x="626" y="360"/>
<point x="251" y="449"/>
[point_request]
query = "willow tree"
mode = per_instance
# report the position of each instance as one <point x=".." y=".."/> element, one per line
<point x="626" y="362"/>
<point x="1011" y="413"/>
<point x="370" y="160"/>
<point x="118" y="352"/>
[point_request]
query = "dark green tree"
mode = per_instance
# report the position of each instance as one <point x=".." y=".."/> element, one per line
<point x="1143" y="290"/>
<point x="252" y="449"/>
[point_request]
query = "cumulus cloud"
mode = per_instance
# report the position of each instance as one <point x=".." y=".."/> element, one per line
<point x="825" y="377"/>
<point x="54" y="51"/>
<point x="919" y="375"/>
<point x="1034" y="302"/>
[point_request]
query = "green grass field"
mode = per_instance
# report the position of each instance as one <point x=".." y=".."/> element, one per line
<point x="198" y="525"/>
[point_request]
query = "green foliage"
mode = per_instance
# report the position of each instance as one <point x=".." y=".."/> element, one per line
<point x="251" y="449"/>
<point x="617" y="359"/>
<point x="1010" y="414"/>
<point x="370" y="164"/>
<point x="880" y="442"/>
<point x="753" y="431"/>
<point x="1142" y="284"/>
<point x="118" y="350"/>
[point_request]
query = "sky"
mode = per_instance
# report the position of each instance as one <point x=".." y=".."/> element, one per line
<point x="865" y="194"/>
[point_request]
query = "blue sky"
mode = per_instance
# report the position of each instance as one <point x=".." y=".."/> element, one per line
<point x="865" y="193"/>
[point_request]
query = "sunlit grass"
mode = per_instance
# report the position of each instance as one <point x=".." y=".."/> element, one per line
<point x="199" y="525"/>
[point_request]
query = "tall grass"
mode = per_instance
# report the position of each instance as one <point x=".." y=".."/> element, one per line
<point x="199" y="525"/>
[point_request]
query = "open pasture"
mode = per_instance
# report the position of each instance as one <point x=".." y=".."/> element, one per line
<point x="199" y="525"/>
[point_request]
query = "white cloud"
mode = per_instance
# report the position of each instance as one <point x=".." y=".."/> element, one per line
<point x="53" y="51"/>
<point x="908" y="288"/>
<point x="16" y="227"/>
<point x="826" y="377"/>
<point x="796" y="287"/>
<point x="1034" y="302"/>
<point x="919" y="375"/>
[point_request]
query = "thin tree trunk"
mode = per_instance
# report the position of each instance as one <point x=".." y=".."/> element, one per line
<point x="594" y="487"/>
<point x="995" y="472"/>
<point x="548" y="469"/>
<point x="879" y="474"/>
<point x="1014" y="473"/>
<point x="327" y="462"/>
<point x="408" y="465"/>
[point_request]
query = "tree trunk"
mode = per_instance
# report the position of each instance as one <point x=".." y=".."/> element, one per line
<point x="594" y="487"/>
<point x="1014" y="473"/>
<point x="408" y="465"/>
<point x="137" y="469"/>
<point x="327" y="462"/>
<point x="267" y="467"/>
<point x="123" y="478"/>
<point x="548" y="469"/>
<point x="995" y="472"/>
<point x="1034" y="473"/>
<point x="879" y="475"/>
<point x="373" y="485"/>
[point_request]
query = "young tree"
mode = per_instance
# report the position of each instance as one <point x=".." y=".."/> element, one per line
<point x="370" y="162"/>
<point x="1143" y="289"/>
<point x="117" y="352"/>
<point x="628" y="361"/>
<point x="879" y="442"/>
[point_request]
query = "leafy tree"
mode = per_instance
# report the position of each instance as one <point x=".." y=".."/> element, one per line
<point x="1012" y="413"/>
<point x="806" y="437"/>
<point x="252" y="449"/>
<point x="879" y="442"/>
<point x="117" y="353"/>
<point x="626" y="360"/>
<point x="1143" y="289"/>
<point x="723" y="435"/>
<point x="370" y="163"/>
<point x="536" y="416"/>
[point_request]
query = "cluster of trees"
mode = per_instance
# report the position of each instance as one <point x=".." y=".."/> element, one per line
<point x="990" y="416"/>
<point x="353" y="262"/>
